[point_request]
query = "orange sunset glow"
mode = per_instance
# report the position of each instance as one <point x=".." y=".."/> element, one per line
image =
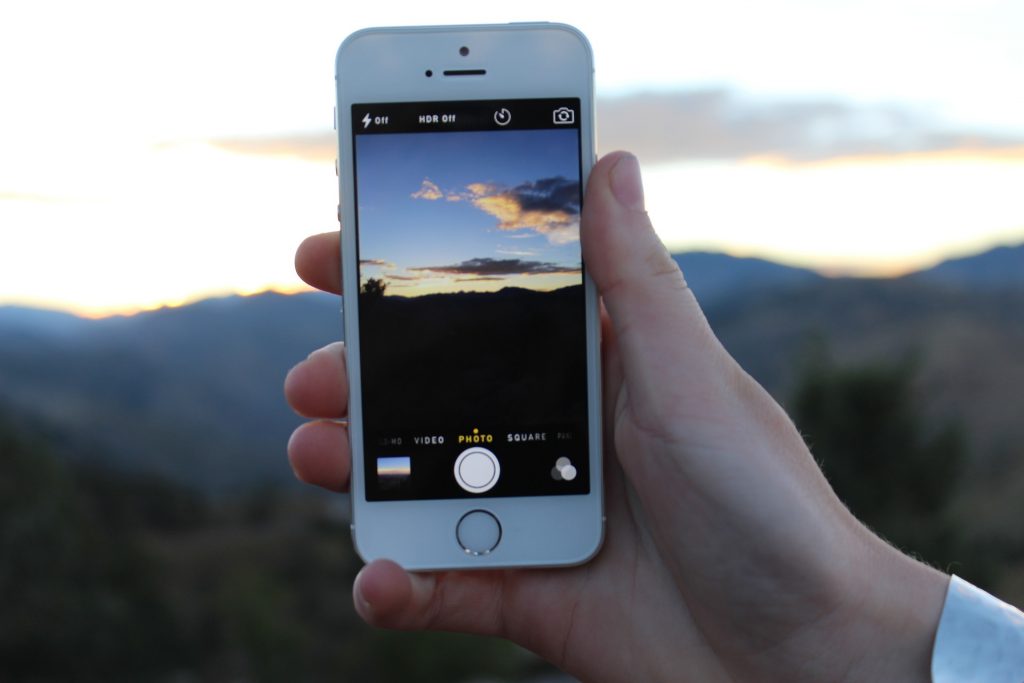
<point x="135" y="174"/>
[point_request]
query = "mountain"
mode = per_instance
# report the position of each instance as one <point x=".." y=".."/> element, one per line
<point x="194" y="393"/>
<point x="41" y="321"/>
<point x="714" y="276"/>
<point x="191" y="393"/>
<point x="1002" y="267"/>
<point x="967" y="345"/>
<point x="148" y="580"/>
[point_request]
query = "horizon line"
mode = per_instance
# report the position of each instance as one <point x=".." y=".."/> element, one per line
<point x="291" y="289"/>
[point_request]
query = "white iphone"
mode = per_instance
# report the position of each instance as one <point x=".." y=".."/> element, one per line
<point x="471" y="324"/>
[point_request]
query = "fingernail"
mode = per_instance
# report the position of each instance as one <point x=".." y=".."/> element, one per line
<point x="627" y="186"/>
<point x="363" y="606"/>
<point x="422" y="584"/>
<point x="291" y="462"/>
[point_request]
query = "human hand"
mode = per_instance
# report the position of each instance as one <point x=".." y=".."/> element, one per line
<point x="727" y="556"/>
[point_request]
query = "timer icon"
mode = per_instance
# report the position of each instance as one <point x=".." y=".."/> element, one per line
<point x="502" y="117"/>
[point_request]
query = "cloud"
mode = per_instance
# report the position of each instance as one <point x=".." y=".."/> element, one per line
<point x="550" y="206"/>
<point x="723" y="124"/>
<point x="392" y="276"/>
<point x="505" y="251"/>
<point x="376" y="262"/>
<point x="719" y="124"/>
<point x="493" y="268"/>
<point x="306" y="146"/>
<point x="428" y="190"/>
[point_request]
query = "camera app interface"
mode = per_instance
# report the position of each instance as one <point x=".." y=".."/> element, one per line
<point x="471" y="301"/>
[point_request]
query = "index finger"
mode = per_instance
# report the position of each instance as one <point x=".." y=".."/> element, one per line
<point x="318" y="261"/>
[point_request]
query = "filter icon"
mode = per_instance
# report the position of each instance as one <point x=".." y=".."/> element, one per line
<point x="563" y="470"/>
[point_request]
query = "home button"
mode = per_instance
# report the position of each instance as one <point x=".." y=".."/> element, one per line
<point x="478" y="532"/>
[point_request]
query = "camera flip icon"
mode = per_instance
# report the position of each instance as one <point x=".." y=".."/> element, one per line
<point x="564" y="116"/>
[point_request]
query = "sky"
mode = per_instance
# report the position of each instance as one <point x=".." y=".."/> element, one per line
<point x="156" y="153"/>
<point x="469" y="211"/>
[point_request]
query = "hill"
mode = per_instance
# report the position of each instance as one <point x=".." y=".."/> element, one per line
<point x="191" y="393"/>
<point x="715" y="276"/>
<point x="194" y="393"/>
<point x="999" y="268"/>
<point x="39" y="321"/>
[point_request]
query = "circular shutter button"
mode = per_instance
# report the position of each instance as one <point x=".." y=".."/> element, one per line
<point x="478" y="532"/>
<point x="477" y="470"/>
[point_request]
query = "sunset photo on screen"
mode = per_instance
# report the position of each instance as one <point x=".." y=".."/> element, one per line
<point x="471" y="301"/>
<point x="469" y="211"/>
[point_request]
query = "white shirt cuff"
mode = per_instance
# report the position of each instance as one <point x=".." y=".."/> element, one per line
<point x="980" y="638"/>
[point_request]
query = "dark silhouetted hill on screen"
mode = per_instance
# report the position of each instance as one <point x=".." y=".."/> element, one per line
<point x="451" y="370"/>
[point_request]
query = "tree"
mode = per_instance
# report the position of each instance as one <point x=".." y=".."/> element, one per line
<point x="374" y="288"/>
<point x="80" y="597"/>
<point x="893" y="470"/>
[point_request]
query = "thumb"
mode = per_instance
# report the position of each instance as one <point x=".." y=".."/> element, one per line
<point x="665" y="341"/>
<point x="388" y="596"/>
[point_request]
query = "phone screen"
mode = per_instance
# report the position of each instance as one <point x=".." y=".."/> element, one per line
<point x="472" y="314"/>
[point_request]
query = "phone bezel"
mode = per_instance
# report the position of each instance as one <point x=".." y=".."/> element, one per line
<point x="522" y="61"/>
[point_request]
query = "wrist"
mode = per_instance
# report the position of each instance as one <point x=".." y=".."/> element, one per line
<point x="893" y="604"/>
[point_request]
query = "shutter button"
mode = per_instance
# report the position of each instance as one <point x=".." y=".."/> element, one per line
<point x="477" y="470"/>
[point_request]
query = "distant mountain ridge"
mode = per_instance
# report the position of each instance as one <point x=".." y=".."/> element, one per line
<point x="1002" y="267"/>
<point x="192" y="393"/>
<point x="714" y="276"/>
<point x="43" y="320"/>
<point x="195" y="392"/>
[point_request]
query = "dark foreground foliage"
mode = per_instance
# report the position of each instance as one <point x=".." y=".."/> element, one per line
<point x="907" y="477"/>
<point x="108" y="576"/>
<point x="894" y="473"/>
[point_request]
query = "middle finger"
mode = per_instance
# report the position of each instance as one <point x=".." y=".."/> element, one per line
<point x="318" y="386"/>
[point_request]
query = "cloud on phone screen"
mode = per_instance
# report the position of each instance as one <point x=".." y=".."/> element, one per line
<point x="549" y="206"/>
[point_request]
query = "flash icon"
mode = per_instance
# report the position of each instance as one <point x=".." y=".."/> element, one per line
<point x="366" y="121"/>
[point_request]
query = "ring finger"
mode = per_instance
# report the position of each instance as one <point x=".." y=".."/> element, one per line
<point x="319" y="454"/>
